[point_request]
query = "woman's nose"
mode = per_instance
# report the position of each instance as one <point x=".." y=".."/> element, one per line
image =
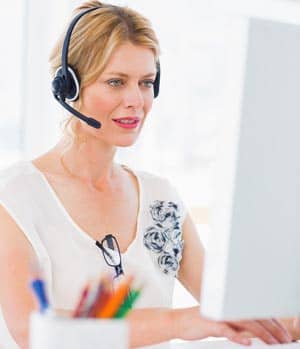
<point x="133" y="97"/>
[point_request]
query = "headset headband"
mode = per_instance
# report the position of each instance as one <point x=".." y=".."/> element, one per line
<point x="65" y="49"/>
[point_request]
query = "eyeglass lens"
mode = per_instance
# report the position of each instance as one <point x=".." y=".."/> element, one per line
<point x="111" y="251"/>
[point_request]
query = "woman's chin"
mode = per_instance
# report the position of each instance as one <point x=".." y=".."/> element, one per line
<point x="125" y="142"/>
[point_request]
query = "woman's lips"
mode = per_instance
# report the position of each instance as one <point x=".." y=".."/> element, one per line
<point x="127" y="122"/>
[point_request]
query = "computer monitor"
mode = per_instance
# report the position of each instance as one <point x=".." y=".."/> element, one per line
<point x="252" y="264"/>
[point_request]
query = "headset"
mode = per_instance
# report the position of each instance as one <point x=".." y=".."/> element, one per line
<point x="66" y="82"/>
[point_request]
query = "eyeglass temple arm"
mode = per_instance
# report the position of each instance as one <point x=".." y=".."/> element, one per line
<point x="98" y="244"/>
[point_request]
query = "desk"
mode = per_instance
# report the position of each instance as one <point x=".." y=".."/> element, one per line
<point x="220" y="344"/>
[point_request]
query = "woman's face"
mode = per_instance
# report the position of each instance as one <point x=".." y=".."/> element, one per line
<point x="122" y="96"/>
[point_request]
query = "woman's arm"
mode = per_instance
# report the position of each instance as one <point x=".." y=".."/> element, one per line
<point x="152" y="326"/>
<point x="15" y="297"/>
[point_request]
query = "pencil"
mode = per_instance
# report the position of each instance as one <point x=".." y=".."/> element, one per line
<point x="104" y="293"/>
<point x="127" y="305"/>
<point x="113" y="303"/>
<point x="90" y="300"/>
<point x="80" y="306"/>
<point x="100" y="303"/>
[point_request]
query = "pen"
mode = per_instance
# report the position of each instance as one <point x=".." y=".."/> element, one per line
<point x="38" y="287"/>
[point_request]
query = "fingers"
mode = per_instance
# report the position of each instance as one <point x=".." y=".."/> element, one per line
<point x="278" y="331"/>
<point x="223" y="330"/>
<point x="259" y="331"/>
<point x="269" y="331"/>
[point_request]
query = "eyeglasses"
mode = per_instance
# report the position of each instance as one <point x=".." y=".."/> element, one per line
<point x="111" y="253"/>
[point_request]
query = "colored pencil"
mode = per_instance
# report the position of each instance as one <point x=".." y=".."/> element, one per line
<point x="83" y="297"/>
<point x="104" y="293"/>
<point x="127" y="305"/>
<point x="115" y="301"/>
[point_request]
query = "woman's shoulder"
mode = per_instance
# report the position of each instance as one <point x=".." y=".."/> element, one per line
<point x="153" y="179"/>
<point x="159" y="187"/>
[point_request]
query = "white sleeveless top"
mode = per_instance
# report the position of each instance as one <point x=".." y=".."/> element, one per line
<point x="69" y="257"/>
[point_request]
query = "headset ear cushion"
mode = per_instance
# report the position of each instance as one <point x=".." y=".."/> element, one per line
<point x="58" y="87"/>
<point x="66" y="88"/>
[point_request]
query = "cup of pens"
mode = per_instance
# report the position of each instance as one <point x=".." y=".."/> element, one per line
<point x="98" y="320"/>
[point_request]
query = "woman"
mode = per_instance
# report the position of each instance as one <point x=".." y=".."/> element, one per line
<point x="55" y="207"/>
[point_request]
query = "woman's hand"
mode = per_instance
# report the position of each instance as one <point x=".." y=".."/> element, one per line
<point x="189" y="325"/>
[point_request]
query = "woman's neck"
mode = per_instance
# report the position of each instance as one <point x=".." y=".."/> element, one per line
<point x="90" y="161"/>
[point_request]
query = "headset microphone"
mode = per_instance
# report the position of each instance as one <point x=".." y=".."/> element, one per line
<point x="90" y="121"/>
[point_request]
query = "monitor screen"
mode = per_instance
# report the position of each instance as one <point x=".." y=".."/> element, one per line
<point x="252" y="265"/>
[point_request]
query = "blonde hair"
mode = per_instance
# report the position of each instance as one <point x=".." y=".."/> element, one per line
<point x="94" y="38"/>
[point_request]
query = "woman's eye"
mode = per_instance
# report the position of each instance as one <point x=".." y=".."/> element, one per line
<point x="115" y="82"/>
<point x="148" y="83"/>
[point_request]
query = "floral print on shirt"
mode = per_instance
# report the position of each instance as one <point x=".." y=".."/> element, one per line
<point x="164" y="237"/>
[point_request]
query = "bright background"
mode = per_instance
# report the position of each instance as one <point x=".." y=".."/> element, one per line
<point x="203" y="44"/>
